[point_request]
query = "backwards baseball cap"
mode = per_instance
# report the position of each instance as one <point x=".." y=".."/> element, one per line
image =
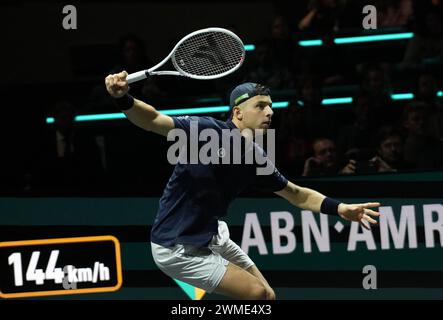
<point x="245" y="91"/>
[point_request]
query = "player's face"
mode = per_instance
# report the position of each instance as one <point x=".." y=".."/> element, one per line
<point x="257" y="112"/>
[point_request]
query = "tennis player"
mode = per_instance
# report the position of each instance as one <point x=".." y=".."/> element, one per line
<point x="189" y="240"/>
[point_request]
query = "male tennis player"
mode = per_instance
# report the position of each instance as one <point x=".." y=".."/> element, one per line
<point x="189" y="241"/>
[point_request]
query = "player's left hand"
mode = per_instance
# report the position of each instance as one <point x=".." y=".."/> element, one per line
<point x="359" y="212"/>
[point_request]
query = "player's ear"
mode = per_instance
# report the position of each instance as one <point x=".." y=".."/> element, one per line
<point x="237" y="113"/>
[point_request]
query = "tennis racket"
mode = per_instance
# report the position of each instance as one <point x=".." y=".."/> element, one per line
<point x="203" y="54"/>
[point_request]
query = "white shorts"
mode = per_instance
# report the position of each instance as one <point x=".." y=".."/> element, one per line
<point x="202" y="267"/>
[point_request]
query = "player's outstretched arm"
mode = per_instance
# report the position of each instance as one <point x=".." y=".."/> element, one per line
<point x="312" y="200"/>
<point x="138" y="112"/>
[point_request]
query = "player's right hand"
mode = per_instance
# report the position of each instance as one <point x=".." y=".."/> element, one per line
<point x="116" y="84"/>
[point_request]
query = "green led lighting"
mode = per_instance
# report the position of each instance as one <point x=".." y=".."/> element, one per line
<point x="376" y="37"/>
<point x="188" y="111"/>
<point x="208" y="100"/>
<point x="220" y="109"/>
<point x="310" y="43"/>
<point x="360" y="39"/>
<point x="279" y="105"/>
<point x="98" y="117"/>
<point x="93" y="117"/>
<point x="170" y="112"/>
<point x="249" y="47"/>
<point x="402" y="96"/>
<point x="336" y="101"/>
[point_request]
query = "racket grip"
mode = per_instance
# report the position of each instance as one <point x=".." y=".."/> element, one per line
<point x="136" y="76"/>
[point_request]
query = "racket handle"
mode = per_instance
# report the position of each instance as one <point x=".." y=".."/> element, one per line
<point x="136" y="76"/>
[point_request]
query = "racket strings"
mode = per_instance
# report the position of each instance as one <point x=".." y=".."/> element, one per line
<point x="209" y="54"/>
<point x="202" y="54"/>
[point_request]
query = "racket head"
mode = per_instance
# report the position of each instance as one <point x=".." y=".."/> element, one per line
<point x="208" y="54"/>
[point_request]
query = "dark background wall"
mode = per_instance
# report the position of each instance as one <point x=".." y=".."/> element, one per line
<point x="44" y="50"/>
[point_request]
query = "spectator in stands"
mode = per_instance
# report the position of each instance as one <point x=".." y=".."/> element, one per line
<point x="435" y="127"/>
<point x="318" y="120"/>
<point x="389" y="158"/>
<point x="421" y="9"/>
<point x="72" y="158"/>
<point x="132" y="50"/>
<point x="268" y="70"/>
<point x="427" y="44"/>
<point x="322" y="18"/>
<point x="420" y="149"/>
<point x="304" y="120"/>
<point x="324" y="161"/>
<point x="393" y="13"/>
<point x="292" y="138"/>
<point x="426" y="92"/>
<point x="280" y="41"/>
<point x="132" y="57"/>
<point x="376" y="86"/>
<point x="274" y="58"/>
<point x="356" y="138"/>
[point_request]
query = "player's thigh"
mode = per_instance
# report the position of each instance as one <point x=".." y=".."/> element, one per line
<point x="233" y="253"/>
<point x="197" y="266"/>
<point x="240" y="284"/>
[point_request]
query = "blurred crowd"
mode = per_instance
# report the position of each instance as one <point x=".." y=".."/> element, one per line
<point x="373" y="134"/>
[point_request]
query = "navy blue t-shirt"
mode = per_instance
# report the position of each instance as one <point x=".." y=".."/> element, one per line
<point x="197" y="195"/>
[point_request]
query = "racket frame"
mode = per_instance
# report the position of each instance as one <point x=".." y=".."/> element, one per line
<point x="140" y="75"/>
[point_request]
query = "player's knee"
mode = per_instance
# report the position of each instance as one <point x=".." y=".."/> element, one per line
<point x="258" y="292"/>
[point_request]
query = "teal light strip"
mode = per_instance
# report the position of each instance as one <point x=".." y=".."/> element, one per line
<point x="170" y="112"/>
<point x="310" y="43"/>
<point x="376" y="37"/>
<point x="220" y="109"/>
<point x="402" y="96"/>
<point x="98" y="117"/>
<point x="360" y="39"/>
<point x="249" y="47"/>
<point x="208" y="100"/>
<point x="336" y="101"/>
<point x="188" y="111"/>
<point x="280" y="105"/>
<point x="93" y="117"/>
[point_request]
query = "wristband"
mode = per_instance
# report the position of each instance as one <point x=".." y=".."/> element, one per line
<point x="124" y="103"/>
<point x="329" y="206"/>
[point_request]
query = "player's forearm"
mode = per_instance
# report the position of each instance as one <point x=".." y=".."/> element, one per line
<point x="138" y="112"/>
<point x="141" y="114"/>
<point x="307" y="199"/>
